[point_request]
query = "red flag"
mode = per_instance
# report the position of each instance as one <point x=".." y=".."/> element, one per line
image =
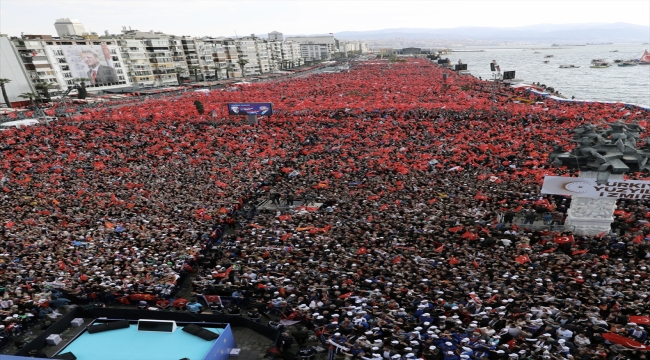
<point x="475" y="264"/>
<point x="9" y="224"/>
<point x="362" y="251"/>
<point x="622" y="340"/>
<point x="397" y="259"/>
<point x="638" y="239"/>
<point x="522" y="259"/>
<point x="640" y="320"/>
<point x="475" y="298"/>
<point x="469" y="235"/>
<point x="346" y="295"/>
<point x="266" y="254"/>
<point x="548" y="251"/>
<point x="455" y="229"/>
<point x="580" y="252"/>
<point x="453" y="261"/>
<point x="515" y="227"/>
<point x="439" y="249"/>
<point x="563" y="239"/>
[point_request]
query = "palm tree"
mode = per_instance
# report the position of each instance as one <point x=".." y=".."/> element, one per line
<point x="179" y="70"/>
<point x="43" y="88"/>
<point x="30" y="96"/>
<point x="194" y="68"/>
<point x="241" y="63"/>
<point x="4" y="91"/>
<point x="217" y="69"/>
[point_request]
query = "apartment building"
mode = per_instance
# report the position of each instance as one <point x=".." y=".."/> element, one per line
<point x="64" y="62"/>
<point x="12" y="68"/>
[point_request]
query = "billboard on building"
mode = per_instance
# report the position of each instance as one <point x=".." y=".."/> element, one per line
<point x="250" y="109"/>
<point x="93" y="62"/>
<point x="585" y="187"/>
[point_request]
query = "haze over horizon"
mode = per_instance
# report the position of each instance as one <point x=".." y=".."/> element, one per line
<point x="226" y="18"/>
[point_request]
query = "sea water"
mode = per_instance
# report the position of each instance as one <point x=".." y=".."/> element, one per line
<point x="625" y="84"/>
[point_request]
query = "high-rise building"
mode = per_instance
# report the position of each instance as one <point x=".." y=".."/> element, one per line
<point x="12" y="68"/>
<point x="67" y="27"/>
<point x="276" y="36"/>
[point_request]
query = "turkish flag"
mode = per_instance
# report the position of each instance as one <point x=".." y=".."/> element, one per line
<point x="475" y="264"/>
<point x="453" y="261"/>
<point x="579" y="252"/>
<point x="563" y="239"/>
<point x="627" y="342"/>
<point x="522" y="259"/>
<point x="345" y="296"/>
<point x="439" y="249"/>
<point x="640" y="320"/>
<point x="475" y="298"/>
<point x="362" y="251"/>
<point x="455" y="229"/>
<point x="469" y="235"/>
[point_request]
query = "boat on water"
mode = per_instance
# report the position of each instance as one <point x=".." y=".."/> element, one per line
<point x="537" y="52"/>
<point x="548" y="56"/>
<point x="570" y="66"/>
<point x="628" y="63"/>
<point x="618" y="61"/>
<point x="614" y="51"/>
<point x="546" y="61"/>
<point x="599" y="64"/>
<point x="645" y="58"/>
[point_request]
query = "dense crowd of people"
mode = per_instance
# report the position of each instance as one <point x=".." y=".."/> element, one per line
<point x="368" y="209"/>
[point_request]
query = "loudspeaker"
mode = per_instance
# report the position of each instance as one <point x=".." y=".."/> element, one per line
<point x="66" y="356"/>
<point x="508" y="75"/>
<point x="97" y="328"/>
<point x="200" y="332"/>
<point x="444" y="77"/>
<point x="122" y="324"/>
<point x="492" y="68"/>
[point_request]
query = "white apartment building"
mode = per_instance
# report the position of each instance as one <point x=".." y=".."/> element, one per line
<point x="67" y="27"/>
<point x="12" y="68"/>
<point x="60" y="63"/>
<point x="324" y="51"/>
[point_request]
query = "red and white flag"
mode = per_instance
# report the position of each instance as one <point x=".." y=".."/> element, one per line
<point x="563" y="239"/>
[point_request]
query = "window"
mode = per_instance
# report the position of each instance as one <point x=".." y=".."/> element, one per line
<point x="97" y="43"/>
<point x="115" y="58"/>
<point x="81" y="43"/>
<point x="120" y="77"/>
<point x="67" y="75"/>
<point x="113" y="51"/>
<point x="117" y="65"/>
<point x="119" y="71"/>
<point x="69" y="82"/>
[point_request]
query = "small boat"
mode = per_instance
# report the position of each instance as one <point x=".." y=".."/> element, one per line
<point x="645" y="58"/>
<point x="548" y="56"/>
<point x="599" y="64"/>
<point x="571" y="66"/>
<point x="627" y="63"/>
<point x="614" y="51"/>
<point x="546" y="61"/>
<point x="537" y="52"/>
<point x="618" y="61"/>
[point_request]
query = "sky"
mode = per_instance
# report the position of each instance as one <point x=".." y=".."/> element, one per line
<point x="228" y="18"/>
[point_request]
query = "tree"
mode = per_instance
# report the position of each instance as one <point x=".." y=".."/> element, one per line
<point x="4" y="91"/>
<point x="217" y="69"/>
<point x="241" y="63"/>
<point x="199" y="106"/>
<point x="82" y="93"/>
<point x="30" y="96"/>
<point x="194" y="68"/>
<point x="43" y="89"/>
<point x="179" y="71"/>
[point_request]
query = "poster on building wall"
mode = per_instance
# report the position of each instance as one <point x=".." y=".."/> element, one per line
<point x="585" y="187"/>
<point x="92" y="62"/>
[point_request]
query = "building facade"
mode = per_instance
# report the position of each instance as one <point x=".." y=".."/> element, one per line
<point x="12" y="68"/>
<point x="67" y="27"/>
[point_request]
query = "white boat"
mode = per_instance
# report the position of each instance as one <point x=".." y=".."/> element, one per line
<point x="548" y="56"/>
<point x="571" y="66"/>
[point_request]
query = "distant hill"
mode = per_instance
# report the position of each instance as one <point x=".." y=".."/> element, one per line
<point x="541" y="33"/>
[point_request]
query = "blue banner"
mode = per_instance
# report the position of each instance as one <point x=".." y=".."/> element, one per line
<point x="250" y="109"/>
